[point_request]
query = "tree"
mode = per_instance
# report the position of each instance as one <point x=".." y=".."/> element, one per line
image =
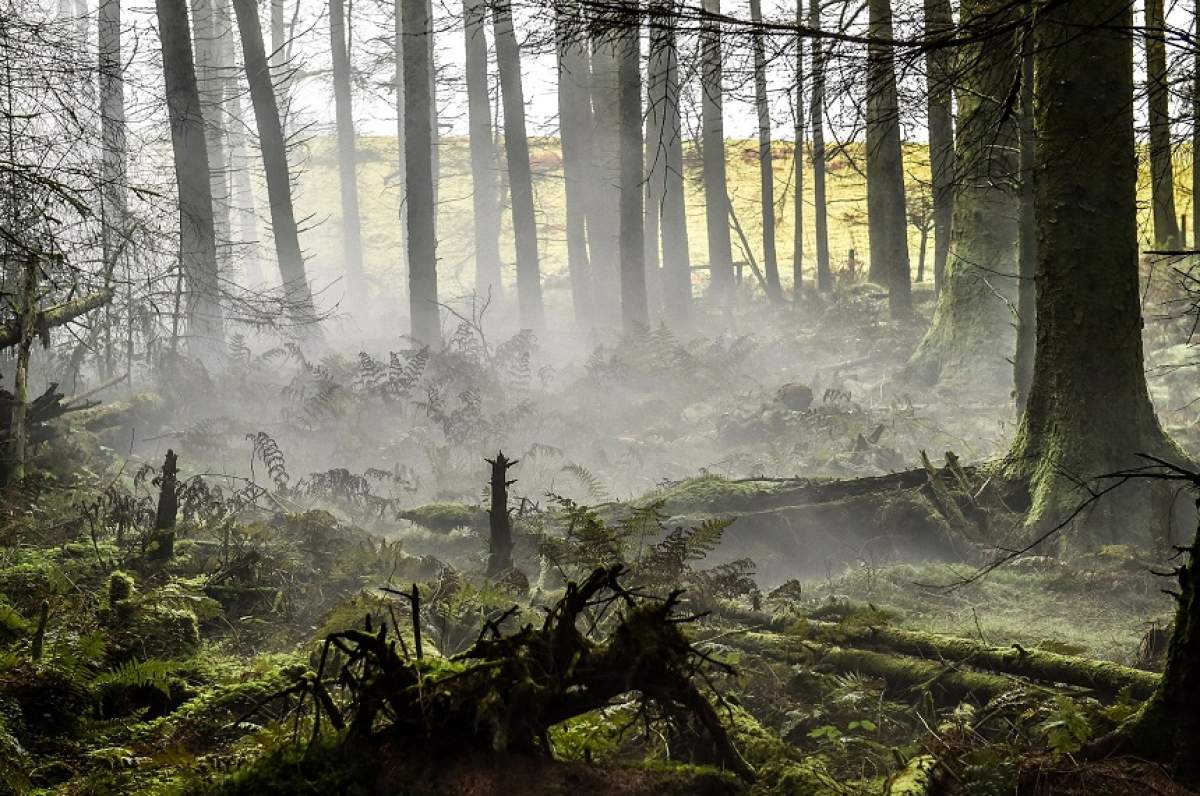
<point x="114" y="209"/>
<point x="816" y="115"/>
<point x="887" y="221"/>
<point x="485" y="197"/>
<point x="1162" y="178"/>
<point x="516" y="147"/>
<point x="347" y="158"/>
<point x="1027" y="255"/>
<point x="210" y="81"/>
<point x="274" y="156"/>
<point x="1088" y="411"/>
<point x="972" y="338"/>
<point x="603" y="218"/>
<point x="1196" y="133"/>
<point x="197" y="243"/>
<point x="634" y="310"/>
<point x="940" y="119"/>
<point x="418" y="174"/>
<point x="766" y="168"/>
<point x="575" y="121"/>
<point x="716" y="196"/>
<point x="664" y="94"/>
<point x="798" y="166"/>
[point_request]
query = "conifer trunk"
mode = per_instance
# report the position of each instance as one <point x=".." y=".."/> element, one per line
<point x="664" y="91"/>
<point x="1162" y="176"/>
<point x="816" y="115"/>
<point x="485" y="194"/>
<point x="418" y="170"/>
<point x="766" y="167"/>
<point x="940" y="118"/>
<point x="574" y="114"/>
<point x="352" y="254"/>
<point x="798" y="167"/>
<point x="1027" y="257"/>
<point x="716" y="196"/>
<point x="634" y="307"/>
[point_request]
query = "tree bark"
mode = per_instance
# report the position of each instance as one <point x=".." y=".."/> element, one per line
<point x="1027" y="256"/>
<point x="1162" y="177"/>
<point x="1089" y="412"/>
<point x="887" y="220"/>
<point x="274" y="155"/>
<point x="26" y="329"/>
<point x="634" y="306"/>
<point x="798" y="167"/>
<point x="575" y="121"/>
<point x="198" y="251"/>
<point x="604" y="215"/>
<point x="1196" y="133"/>
<point x="356" y="294"/>
<point x="485" y="196"/>
<point x="114" y="210"/>
<point x="766" y="166"/>
<point x="664" y="92"/>
<point x="418" y="168"/>
<point x="210" y="81"/>
<point x="516" y="147"/>
<point x="500" y="542"/>
<point x="973" y="335"/>
<point x="816" y="114"/>
<point x="939" y="23"/>
<point x="716" y="196"/>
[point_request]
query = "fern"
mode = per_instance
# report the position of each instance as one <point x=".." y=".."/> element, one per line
<point x="267" y="450"/>
<point x="153" y="673"/>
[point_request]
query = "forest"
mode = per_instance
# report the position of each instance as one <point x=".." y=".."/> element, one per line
<point x="634" y="397"/>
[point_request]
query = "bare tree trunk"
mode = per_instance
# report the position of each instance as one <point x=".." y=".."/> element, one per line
<point x="356" y="293"/>
<point x="604" y="212"/>
<point x="210" y="82"/>
<point x="114" y="211"/>
<point x="634" y="306"/>
<point x="516" y="146"/>
<point x="401" y="168"/>
<point x="1027" y="255"/>
<point x="198" y="250"/>
<point x="1162" y="177"/>
<point x="716" y="195"/>
<point x="242" y="212"/>
<point x="886" y="217"/>
<point x="279" y="64"/>
<point x="766" y="167"/>
<point x="664" y="93"/>
<point x="1196" y="132"/>
<point x="798" y="167"/>
<point x="940" y="118"/>
<point x="485" y="196"/>
<point x="418" y="167"/>
<point x="274" y="155"/>
<point x="816" y="115"/>
<point x="574" y="115"/>
<point x="27" y="331"/>
<point x="500" y="543"/>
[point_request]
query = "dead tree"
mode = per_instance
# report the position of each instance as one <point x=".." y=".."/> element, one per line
<point x="162" y="541"/>
<point x="500" y="543"/>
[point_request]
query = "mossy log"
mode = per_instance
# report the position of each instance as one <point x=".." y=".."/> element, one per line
<point x="918" y="778"/>
<point x="117" y="413"/>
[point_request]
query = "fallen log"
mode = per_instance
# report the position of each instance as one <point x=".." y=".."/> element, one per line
<point x="135" y="408"/>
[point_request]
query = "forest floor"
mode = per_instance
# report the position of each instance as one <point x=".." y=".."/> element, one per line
<point x="774" y="473"/>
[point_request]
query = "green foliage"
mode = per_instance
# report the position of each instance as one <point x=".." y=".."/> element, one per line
<point x="326" y="766"/>
<point x="1066" y="726"/>
<point x="153" y="673"/>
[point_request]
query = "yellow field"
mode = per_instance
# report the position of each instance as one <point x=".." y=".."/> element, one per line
<point x="318" y="197"/>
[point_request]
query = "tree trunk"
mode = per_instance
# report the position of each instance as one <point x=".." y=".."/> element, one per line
<point x="653" y="167"/>
<point x="274" y="154"/>
<point x="210" y="81"/>
<point x="401" y="168"/>
<point x="575" y="121"/>
<point x="418" y="169"/>
<point x="940" y="118"/>
<point x="1089" y="412"/>
<point x="816" y="114"/>
<point x="27" y="323"/>
<point x="604" y="216"/>
<point x="244" y="203"/>
<point x="1196" y="133"/>
<point x="716" y="196"/>
<point x="664" y="89"/>
<point x="279" y="64"/>
<point x="516" y="147"/>
<point x="500" y="543"/>
<point x="1027" y="256"/>
<point x="766" y="167"/>
<point x="485" y="196"/>
<point x="114" y="210"/>
<point x="798" y="167"/>
<point x="356" y="294"/>
<point x="1162" y="178"/>
<point x="887" y="220"/>
<point x="163" y="539"/>
<point x="634" y="307"/>
<point x="198" y="250"/>
<point x="972" y="338"/>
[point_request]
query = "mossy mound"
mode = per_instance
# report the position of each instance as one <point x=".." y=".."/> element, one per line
<point x="709" y="494"/>
<point x="446" y="517"/>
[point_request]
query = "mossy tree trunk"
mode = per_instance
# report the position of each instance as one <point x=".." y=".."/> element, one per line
<point x="972" y="338"/>
<point x="1088" y="412"/>
<point x="1027" y="256"/>
<point x="887" y="220"/>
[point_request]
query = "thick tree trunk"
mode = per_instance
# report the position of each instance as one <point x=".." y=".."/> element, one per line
<point x="1027" y="257"/>
<point x="575" y="120"/>
<point x="635" y="314"/>
<point x="274" y="154"/>
<point x="516" y="147"/>
<point x="485" y="195"/>
<point x="356" y="294"/>
<point x="816" y="115"/>
<point x="418" y="169"/>
<point x="887" y="221"/>
<point x="279" y="64"/>
<point x="210" y="81"/>
<point x="604" y="225"/>
<point x="766" y="166"/>
<point x="198" y="251"/>
<point x="664" y="92"/>
<point x="798" y="166"/>
<point x="716" y="190"/>
<point x="1088" y="412"/>
<point x="1162" y="177"/>
<point x="940" y="117"/>
<point x="972" y="338"/>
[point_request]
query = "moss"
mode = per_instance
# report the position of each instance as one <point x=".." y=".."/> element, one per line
<point x="326" y="766"/>
<point x="150" y="630"/>
<point x="120" y="588"/>
<point x="915" y="779"/>
<point x="709" y="493"/>
<point x="781" y="769"/>
<point x="446" y="517"/>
